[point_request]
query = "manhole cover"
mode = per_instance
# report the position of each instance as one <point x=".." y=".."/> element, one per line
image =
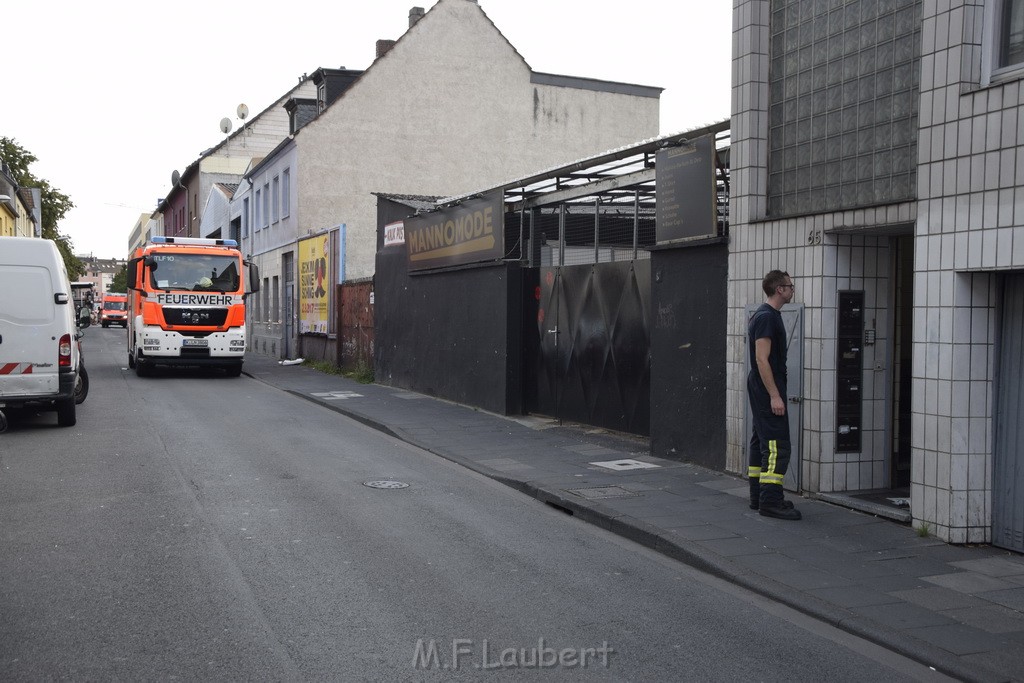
<point x="623" y="465"/>
<point x="385" y="484"/>
<point x="602" y="492"/>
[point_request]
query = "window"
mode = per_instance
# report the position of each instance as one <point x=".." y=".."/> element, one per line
<point x="245" y="217"/>
<point x="286" y="193"/>
<point x="1003" y="56"/>
<point x="255" y="308"/>
<point x="266" y="205"/>
<point x="276" y="199"/>
<point x="257" y="223"/>
<point x="266" y="298"/>
<point x="1011" y="33"/>
<point x="275" y="310"/>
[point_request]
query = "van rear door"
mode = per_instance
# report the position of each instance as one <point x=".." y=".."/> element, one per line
<point x="29" y="331"/>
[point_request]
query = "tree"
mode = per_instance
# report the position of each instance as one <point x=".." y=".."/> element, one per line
<point x="55" y="206"/>
<point x="120" y="281"/>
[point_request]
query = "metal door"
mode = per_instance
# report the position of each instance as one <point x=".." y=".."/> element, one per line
<point x="793" y="318"/>
<point x="593" y="364"/>
<point x="289" y="323"/>
<point x="288" y="277"/>
<point x="1008" y="459"/>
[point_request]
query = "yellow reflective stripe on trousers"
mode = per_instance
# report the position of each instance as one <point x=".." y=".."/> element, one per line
<point x="769" y="476"/>
<point x="753" y="471"/>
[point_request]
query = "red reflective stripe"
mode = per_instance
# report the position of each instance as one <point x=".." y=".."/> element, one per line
<point x="16" y="369"/>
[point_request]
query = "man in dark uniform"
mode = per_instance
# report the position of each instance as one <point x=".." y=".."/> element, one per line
<point x="770" y="446"/>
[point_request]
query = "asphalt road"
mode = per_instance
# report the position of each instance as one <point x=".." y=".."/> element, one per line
<point x="200" y="527"/>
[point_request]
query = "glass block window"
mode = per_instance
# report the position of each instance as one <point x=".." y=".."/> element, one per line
<point x="843" y="100"/>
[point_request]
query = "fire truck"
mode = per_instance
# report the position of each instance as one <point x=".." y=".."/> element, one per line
<point x="186" y="304"/>
<point x="113" y="310"/>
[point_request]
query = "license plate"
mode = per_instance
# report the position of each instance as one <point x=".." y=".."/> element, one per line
<point x="194" y="342"/>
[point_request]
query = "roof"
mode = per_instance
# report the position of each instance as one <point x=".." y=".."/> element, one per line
<point x="413" y="201"/>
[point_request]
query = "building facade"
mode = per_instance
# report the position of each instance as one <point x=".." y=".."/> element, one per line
<point x="448" y="107"/>
<point x="878" y="157"/>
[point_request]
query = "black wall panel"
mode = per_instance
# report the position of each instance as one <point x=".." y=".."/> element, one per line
<point x="689" y="300"/>
<point x="448" y="333"/>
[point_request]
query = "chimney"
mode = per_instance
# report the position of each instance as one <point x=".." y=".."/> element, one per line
<point x="415" y="14"/>
<point x="383" y="47"/>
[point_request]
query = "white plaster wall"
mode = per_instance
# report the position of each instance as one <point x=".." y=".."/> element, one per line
<point x="450" y="109"/>
<point x="216" y="214"/>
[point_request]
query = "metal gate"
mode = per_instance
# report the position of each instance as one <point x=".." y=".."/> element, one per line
<point x="594" y="360"/>
<point x="793" y="318"/>
<point x="1008" y="463"/>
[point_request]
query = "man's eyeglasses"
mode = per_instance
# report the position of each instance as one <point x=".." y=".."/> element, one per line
<point x="791" y="286"/>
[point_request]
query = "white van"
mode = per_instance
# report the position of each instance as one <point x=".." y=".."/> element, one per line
<point x="39" y="352"/>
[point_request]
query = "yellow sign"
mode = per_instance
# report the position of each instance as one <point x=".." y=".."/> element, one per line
<point x="314" y="284"/>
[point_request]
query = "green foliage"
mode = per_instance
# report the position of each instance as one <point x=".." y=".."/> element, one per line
<point x="924" y="531"/>
<point x="55" y="206"/>
<point x="362" y="373"/>
<point x="120" y="281"/>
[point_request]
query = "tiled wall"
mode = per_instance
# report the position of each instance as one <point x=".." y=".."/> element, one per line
<point x="825" y="254"/>
<point x="968" y="229"/>
<point x="972" y="211"/>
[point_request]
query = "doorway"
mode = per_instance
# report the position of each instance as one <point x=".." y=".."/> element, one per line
<point x="902" y="361"/>
<point x="288" y="274"/>
<point x="1008" y="458"/>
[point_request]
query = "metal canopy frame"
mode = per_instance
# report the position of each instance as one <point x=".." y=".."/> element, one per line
<point x="610" y="187"/>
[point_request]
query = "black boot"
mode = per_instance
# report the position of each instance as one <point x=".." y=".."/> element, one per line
<point x="774" y="504"/>
<point x="781" y="510"/>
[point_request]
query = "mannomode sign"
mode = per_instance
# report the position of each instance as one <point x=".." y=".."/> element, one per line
<point x="470" y="232"/>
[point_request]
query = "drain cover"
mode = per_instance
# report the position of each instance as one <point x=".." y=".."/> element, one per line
<point x="623" y="465"/>
<point x="385" y="484"/>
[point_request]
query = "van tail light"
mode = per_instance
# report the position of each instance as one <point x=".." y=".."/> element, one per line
<point x="64" y="350"/>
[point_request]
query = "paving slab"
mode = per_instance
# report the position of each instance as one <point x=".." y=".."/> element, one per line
<point x="969" y="582"/>
<point x="939" y="599"/>
<point x="958" y="638"/>
<point x="991" y="618"/>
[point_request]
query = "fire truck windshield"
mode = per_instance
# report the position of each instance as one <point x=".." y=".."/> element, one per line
<point x="193" y="272"/>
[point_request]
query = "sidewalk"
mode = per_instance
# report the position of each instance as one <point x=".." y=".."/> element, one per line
<point x="958" y="609"/>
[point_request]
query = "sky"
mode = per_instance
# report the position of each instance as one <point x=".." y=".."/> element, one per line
<point x="112" y="96"/>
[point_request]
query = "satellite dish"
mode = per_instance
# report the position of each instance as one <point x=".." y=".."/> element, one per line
<point x="243" y="111"/>
<point x="225" y="125"/>
<point x="175" y="178"/>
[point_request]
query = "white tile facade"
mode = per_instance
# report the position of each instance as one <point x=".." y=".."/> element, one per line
<point x="967" y="227"/>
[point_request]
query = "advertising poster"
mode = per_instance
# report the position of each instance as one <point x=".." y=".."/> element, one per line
<point x="314" y="284"/>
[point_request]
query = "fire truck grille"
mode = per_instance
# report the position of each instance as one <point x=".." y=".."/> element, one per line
<point x="196" y="316"/>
